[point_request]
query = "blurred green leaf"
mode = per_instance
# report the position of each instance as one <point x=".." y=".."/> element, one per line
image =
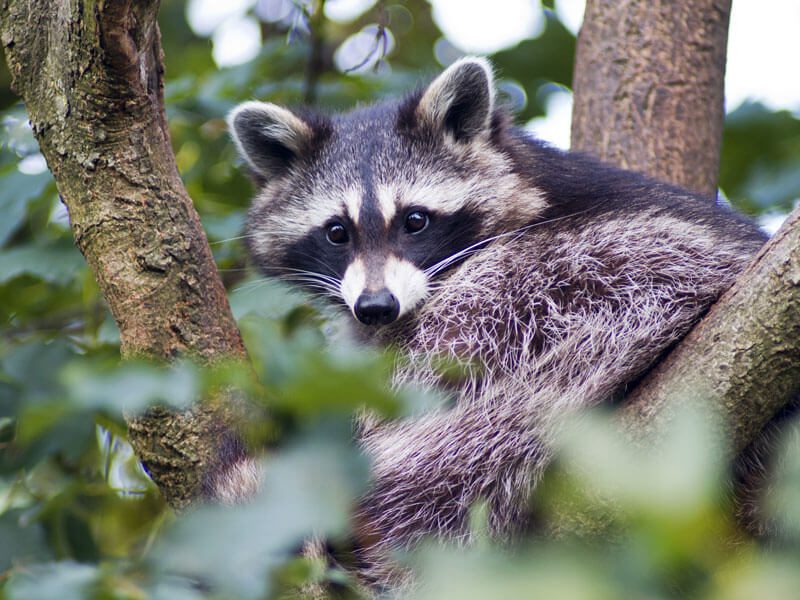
<point x="22" y="542"/>
<point x="676" y="476"/>
<point x="537" y="63"/>
<point x="477" y="575"/>
<point x="16" y="193"/>
<point x="63" y="580"/>
<point x="131" y="387"/>
<point x="56" y="263"/>
<point x="265" y="298"/>
<point x="761" y="159"/>
<point x="783" y="503"/>
<point x="307" y="490"/>
<point x="33" y="366"/>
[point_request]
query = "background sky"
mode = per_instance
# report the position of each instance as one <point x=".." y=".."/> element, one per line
<point x="759" y="32"/>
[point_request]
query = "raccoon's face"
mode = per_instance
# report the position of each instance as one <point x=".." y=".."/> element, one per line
<point x="372" y="206"/>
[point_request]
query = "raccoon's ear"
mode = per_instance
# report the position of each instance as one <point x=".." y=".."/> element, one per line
<point x="268" y="136"/>
<point x="460" y="101"/>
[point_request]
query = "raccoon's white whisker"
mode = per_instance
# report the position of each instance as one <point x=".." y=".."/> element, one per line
<point x="442" y="264"/>
<point x="312" y="279"/>
<point x="319" y="286"/>
<point x="307" y="272"/>
<point x="251" y="285"/>
<point x="333" y="281"/>
<point x="307" y="278"/>
<point x="442" y="243"/>
<point x="432" y="270"/>
<point x="446" y="262"/>
<point x="319" y="261"/>
<point x="238" y="237"/>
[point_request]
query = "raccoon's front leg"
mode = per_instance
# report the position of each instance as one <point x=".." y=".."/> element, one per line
<point x="429" y="472"/>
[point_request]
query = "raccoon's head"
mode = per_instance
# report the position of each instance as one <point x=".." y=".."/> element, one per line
<point x="371" y="206"/>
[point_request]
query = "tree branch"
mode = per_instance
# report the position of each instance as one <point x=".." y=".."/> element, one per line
<point x="649" y="85"/>
<point x="648" y="96"/>
<point x="744" y="357"/>
<point x="90" y="73"/>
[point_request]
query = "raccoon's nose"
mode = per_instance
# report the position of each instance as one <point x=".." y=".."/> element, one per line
<point x="377" y="308"/>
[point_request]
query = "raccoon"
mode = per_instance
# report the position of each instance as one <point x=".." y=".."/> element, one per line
<point x="445" y="231"/>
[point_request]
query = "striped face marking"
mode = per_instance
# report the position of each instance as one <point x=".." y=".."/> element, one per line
<point x="353" y="204"/>
<point x="387" y="203"/>
<point x="406" y="282"/>
<point x="353" y="283"/>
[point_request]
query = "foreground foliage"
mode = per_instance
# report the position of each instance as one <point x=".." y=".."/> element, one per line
<point x="79" y="519"/>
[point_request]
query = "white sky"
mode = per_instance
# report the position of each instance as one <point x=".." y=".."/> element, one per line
<point x="481" y="27"/>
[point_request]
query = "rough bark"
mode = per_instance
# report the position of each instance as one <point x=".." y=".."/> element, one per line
<point x="90" y="73"/>
<point x="649" y="96"/>
<point x="649" y="87"/>
<point x="744" y="357"/>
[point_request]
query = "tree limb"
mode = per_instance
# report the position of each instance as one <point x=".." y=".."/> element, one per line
<point x="648" y="96"/>
<point x="649" y="85"/>
<point x="90" y="73"/>
<point x="744" y="357"/>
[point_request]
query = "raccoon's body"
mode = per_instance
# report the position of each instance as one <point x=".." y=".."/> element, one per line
<point x="555" y="280"/>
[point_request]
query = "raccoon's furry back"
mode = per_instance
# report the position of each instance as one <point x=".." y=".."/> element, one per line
<point x="571" y="279"/>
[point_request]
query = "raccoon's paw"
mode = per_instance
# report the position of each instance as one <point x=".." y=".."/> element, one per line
<point x="235" y="483"/>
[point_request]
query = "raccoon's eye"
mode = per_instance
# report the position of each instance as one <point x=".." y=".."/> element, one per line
<point x="337" y="234"/>
<point x="416" y="221"/>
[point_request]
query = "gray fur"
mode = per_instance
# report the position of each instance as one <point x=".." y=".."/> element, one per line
<point x="573" y="279"/>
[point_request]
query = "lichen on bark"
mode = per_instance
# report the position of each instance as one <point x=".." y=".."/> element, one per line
<point x="90" y="73"/>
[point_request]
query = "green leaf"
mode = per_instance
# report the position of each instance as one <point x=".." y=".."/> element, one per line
<point x="56" y="263"/>
<point x="674" y="478"/>
<point x="63" y="580"/>
<point x="17" y="191"/>
<point x="33" y="367"/>
<point x="267" y="298"/>
<point x="29" y="542"/>
<point x="308" y="490"/>
<point x="538" y="63"/>
<point x="761" y="159"/>
<point x="783" y="504"/>
<point x="131" y="387"/>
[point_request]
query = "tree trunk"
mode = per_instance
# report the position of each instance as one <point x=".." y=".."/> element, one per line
<point x="649" y="97"/>
<point x="649" y="90"/>
<point x="90" y="73"/>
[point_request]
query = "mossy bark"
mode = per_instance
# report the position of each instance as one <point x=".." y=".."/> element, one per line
<point x="90" y="73"/>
